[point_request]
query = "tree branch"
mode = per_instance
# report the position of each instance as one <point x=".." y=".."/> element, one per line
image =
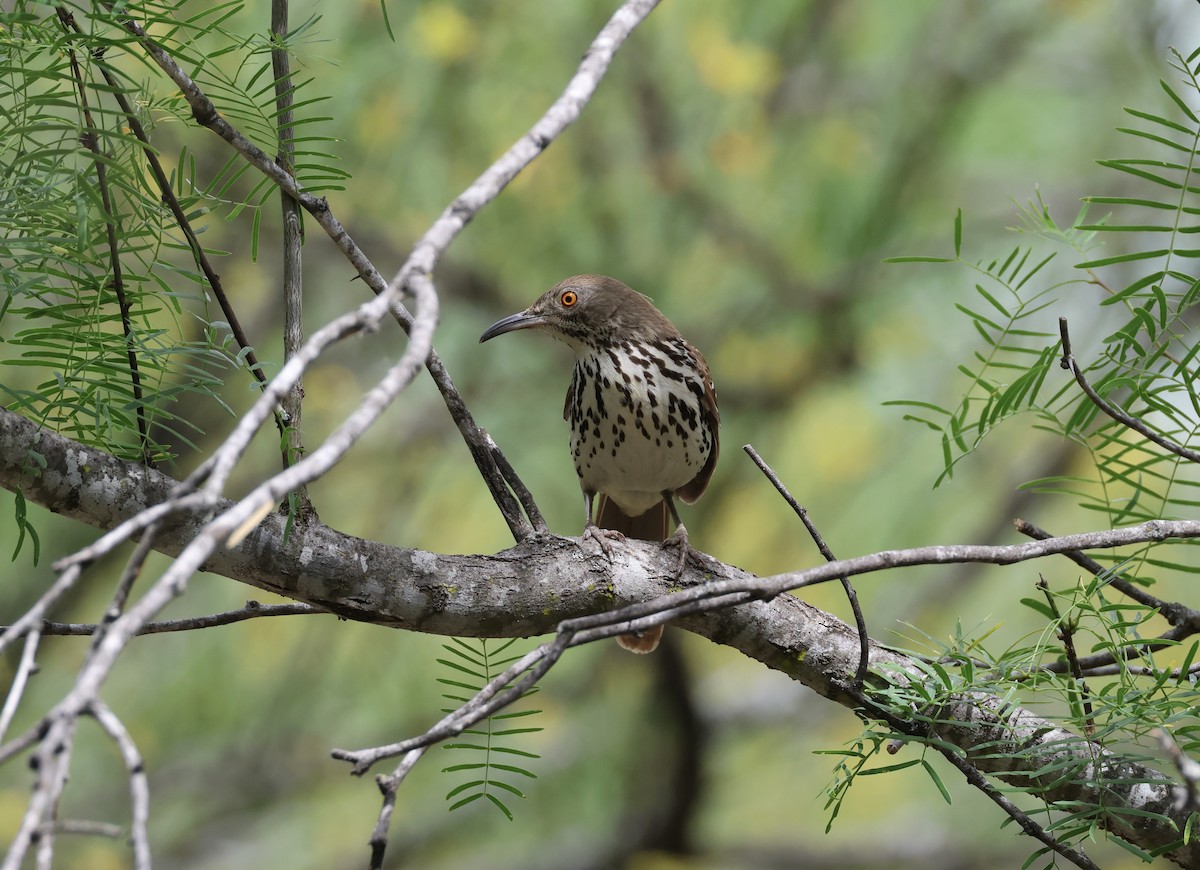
<point x="546" y="580"/>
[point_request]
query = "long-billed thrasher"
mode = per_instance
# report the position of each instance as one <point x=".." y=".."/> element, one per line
<point x="641" y="407"/>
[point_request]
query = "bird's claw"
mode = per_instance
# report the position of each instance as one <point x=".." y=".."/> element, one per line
<point x="602" y="537"/>
<point x="679" y="538"/>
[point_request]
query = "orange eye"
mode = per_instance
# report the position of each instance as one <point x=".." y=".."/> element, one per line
<point x="568" y="298"/>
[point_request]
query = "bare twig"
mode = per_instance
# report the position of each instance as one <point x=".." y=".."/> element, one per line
<point x="133" y="568"/>
<point x="1127" y="420"/>
<point x="26" y="667"/>
<point x="864" y="640"/>
<point x="51" y="763"/>
<point x="720" y="594"/>
<point x="524" y="496"/>
<point x="1143" y="671"/>
<point x="510" y="685"/>
<point x="122" y="532"/>
<point x="84" y="827"/>
<point x="139" y="787"/>
<point x="252" y="610"/>
<point x="1099" y="663"/>
<point x="388" y="786"/>
<point x="34" y="615"/>
<point x="72" y="567"/>
<point x="1175" y="613"/>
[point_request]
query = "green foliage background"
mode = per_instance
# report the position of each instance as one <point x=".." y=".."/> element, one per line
<point x="749" y="166"/>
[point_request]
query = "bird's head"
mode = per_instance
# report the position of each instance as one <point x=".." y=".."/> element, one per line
<point x="588" y="311"/>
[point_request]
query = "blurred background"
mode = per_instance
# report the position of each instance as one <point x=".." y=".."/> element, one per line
<point x="749" y="167"/>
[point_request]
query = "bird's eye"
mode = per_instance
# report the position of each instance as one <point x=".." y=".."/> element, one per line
<point x="568" y="298"/>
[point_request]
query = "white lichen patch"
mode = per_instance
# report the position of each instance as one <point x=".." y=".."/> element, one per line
<point x="76" y="461"/>
<point x="423" y="562"/>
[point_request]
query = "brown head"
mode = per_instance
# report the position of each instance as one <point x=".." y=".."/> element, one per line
<point x="589" y="310"/>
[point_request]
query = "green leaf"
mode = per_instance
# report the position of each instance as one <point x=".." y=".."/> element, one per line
<point x="499" y="804"/>
<point x="937" y="780"/>
<point x="1132" y="257"/>
<point x="1040" y="606"/>
<point x="508" y="787"/>
<point x="467" y="800"/>
<point x="1187" y="662"/>
<point x="1183" y="106"/>
<point x="1158" y="119"/>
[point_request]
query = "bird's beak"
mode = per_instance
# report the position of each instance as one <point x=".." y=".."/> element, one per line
<point x="520" y="320"/>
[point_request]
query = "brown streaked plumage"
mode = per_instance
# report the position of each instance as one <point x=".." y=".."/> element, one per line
<point x="641" y="407"/>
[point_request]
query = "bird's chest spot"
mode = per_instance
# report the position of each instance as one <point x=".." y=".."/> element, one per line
<point x="635" y="418"/>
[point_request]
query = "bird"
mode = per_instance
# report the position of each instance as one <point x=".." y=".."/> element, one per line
<point x="641" y="409"/>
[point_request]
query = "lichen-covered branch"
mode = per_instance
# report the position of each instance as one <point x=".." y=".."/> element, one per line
<point x="534" y="586"/>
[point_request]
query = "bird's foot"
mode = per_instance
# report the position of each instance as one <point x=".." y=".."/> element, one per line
<point x="603" y="537"/>
<point x="679" y="539"/>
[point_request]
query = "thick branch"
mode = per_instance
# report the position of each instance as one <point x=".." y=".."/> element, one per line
<point x="544" y="580"/>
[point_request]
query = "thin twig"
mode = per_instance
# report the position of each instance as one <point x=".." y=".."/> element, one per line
<point x="72" y="567"/>
<point x="1092" y="665"/>
<point x="526" y="671"/>
<point x="1066" y="633"/>
<point x="52" y="761"/>
<point x="84" y="827"/>
<point x="725" y="593"/>
<point x="388" y="786"/>
<point x="91" y="140"/>
<point x="1175" y="613"/>
<point x="1143" y="671"/>
<point x="36" y="612"/>
<point x="1127" y="420"/>
<point x="26" y="667"/>
<point x="293" y="236"/>
<point x="133" y="568"/>
<point x="139" y="787"/>
<point x="864" y="640"/>
<point x="1184" y="620"/>
<point x="192" y="502"/>
<point x="524" y="496"/>
<point x="252" y="610"/>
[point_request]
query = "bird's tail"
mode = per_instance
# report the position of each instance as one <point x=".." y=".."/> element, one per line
<point x="653" y="525"/>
